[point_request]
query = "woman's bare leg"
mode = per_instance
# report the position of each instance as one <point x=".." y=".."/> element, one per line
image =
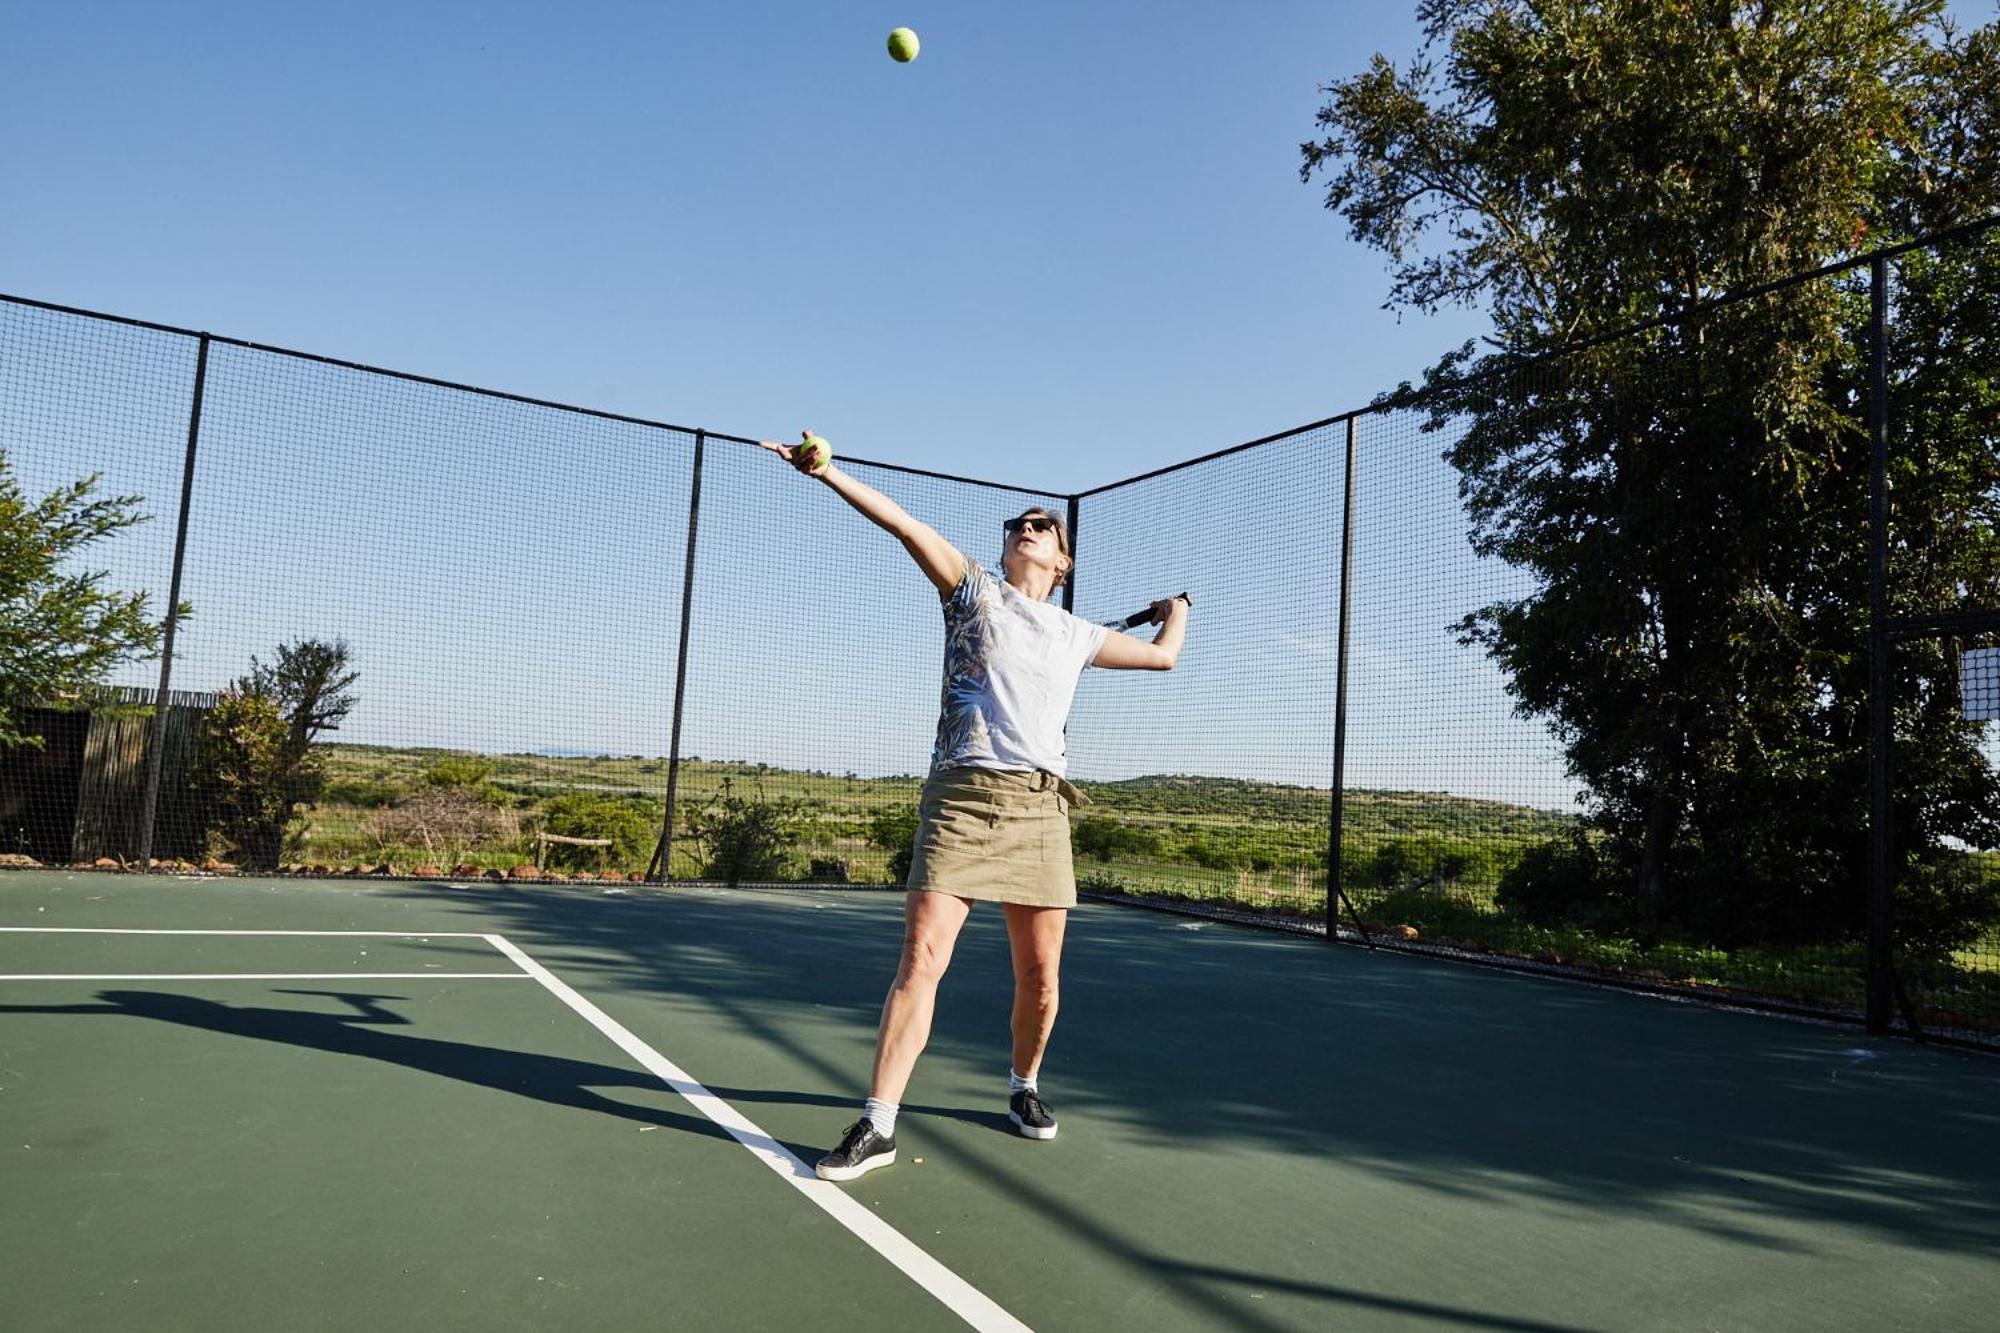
<point x="931" y="923"/>
<point x="1036" y="936"/>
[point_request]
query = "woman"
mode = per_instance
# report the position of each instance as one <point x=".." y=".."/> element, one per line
<point x="994" y="818"/>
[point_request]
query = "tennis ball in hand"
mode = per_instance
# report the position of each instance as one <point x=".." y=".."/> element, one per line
<point x="814" y="454"/>
<point x="903" y="46"/>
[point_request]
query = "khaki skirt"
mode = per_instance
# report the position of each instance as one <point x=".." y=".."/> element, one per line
<point x="996" y="835"/>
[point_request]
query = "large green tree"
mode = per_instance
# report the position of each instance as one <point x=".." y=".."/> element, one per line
<point x="1691" y="500"/>
<point x="61" y="630"/>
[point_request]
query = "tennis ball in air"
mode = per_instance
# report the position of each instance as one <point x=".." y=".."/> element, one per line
<point x="903" y="45"/>
<point x="815" y="453"/>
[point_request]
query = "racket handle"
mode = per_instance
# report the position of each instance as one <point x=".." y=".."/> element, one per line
<point x="1146" y="617"/>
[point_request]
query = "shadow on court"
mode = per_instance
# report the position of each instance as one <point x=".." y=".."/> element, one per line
<point x="1565" y="1104"/>
<point x="544" y="1078"/>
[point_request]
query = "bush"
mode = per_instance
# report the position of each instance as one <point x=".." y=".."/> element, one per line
<point x="1104" y="839"/>
<point x="252" y="777"/>
<point x="632" y="826"/>
<point x="827" y="870"/>
<point x="1200" y="851"/>
<point x="368" y="793"/>
<point x="447" y="822"/>
<point x="471" y="774"/>
<point x="1097" y="881"/>
<point x="745" y="839"/>
<point x="1945" y="905"/>
<point x="1402" y="862"/>
<point x="1558" y="882"/>
<point x="894" y="830"/>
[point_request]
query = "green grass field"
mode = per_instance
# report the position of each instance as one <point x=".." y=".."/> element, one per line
<point x="1422" y="866"/>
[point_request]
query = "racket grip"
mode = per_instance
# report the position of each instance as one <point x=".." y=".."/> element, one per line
<point x="1146" y="617"/>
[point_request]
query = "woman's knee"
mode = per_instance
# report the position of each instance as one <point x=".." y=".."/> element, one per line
<point x="924" y="961"/>
<point x="1038" y="983"/>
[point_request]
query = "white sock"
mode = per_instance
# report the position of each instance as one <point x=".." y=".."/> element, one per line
<point x="882" y="1115"/>
<point x="1015" y="1083"/>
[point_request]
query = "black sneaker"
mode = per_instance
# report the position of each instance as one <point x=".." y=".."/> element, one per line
<point x="1031" y="1115"/>
<point x="861" y="1150"/>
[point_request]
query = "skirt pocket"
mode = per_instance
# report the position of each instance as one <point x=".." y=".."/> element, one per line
<point x="957" y="822"/>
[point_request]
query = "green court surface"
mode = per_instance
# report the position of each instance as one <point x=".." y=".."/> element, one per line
<point x="499" y="1109"/>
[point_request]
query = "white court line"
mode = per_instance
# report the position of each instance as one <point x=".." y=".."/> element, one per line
<point x="253" y="976"/>
<point x="260" y="976"/>
<point x="958" y="1295"/>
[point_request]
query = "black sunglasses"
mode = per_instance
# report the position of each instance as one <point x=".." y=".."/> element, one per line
<point x="1033" y="523"/>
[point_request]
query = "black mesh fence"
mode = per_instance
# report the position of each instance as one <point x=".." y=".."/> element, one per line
<point x="1565" y="664"/>
<point x="93" y="430"/>
<point x="813" y="668"/>
<point x="1209" y="786"/>
<point x="476" y="599"/>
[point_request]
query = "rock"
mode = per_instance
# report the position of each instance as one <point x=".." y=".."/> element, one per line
<point x="19" y="861"/>
<point x="465" y="870"/>
<point x="524" y="872"/>
<point x="428" y="872"/>
<point x="105" y="863"/>
<point x="494" y="874"/>
<point x="384" y="869"/>
<point x="320" y="869"/>
<point x="214" y="867"/>
<point x="613" y="877"/>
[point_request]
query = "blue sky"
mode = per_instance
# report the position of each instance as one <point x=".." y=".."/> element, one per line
<point x="1065" y="246"/>
<point x="1068" y="242"/>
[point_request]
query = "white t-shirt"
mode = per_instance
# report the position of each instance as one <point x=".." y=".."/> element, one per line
<point x="1010" y="670"/>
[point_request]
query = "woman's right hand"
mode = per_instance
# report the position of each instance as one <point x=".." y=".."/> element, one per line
<point x="796" y="455"/>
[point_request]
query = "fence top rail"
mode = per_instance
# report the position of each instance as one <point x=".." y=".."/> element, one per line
<point x="503" y="395"/>
<point x="1387" y="402"/>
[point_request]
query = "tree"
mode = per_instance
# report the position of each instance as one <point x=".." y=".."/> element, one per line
<point x="62" y="632"/>
<point x="257" y="755"/>
<point x="1691" y="500"/>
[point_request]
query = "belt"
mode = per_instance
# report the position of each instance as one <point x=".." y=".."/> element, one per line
<point x="1044" y="780"/>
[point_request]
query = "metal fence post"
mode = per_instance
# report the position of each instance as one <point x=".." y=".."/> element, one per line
<point x="1335" y="887"/>
<point x="662" y="868"/>
<point x="1069" y="584"/>
<point x="1881" y="874"/>
<point x="157" y="738"/>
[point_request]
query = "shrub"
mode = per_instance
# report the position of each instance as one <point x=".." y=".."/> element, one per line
<point x="471" y="774"/>
<point x="1097" y="881"/>
<point x="1106" y="839"/>
<point x="447" y="822"/>
<point x="749" y="839"/>
<point x="1945" y="905"/>
<point x="1557" y="882"/>
<point x="632" y="825"/>
<point x="894" y="830"/>
<point x="368" y="793"/>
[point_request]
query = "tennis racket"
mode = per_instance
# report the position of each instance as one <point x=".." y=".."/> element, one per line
<point x="1146" y="617"/>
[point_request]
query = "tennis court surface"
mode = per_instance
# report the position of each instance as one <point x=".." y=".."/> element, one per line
<point x="259" y="1104"/>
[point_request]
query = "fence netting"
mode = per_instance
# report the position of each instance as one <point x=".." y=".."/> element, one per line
<point x="1209" y="784"/>
<point x="93" y="435"/>
<point x="1563" y="663"/>
<point x="1943" y="588"/>
<point x="815" y="655"/>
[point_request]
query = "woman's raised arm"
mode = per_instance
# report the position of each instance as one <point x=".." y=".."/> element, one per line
<point x="939" y="559"/>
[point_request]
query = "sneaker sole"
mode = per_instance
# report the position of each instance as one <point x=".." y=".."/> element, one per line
<point x="1028" y="1130"/>
<point x="840" y="1173"/>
